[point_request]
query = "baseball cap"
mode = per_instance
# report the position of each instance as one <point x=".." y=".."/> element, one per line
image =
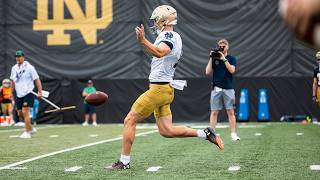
<point x="90" y="82"/>
<point x="19" y="53"/>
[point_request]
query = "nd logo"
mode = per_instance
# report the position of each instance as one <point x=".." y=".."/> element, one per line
<point x="86" y="22"/>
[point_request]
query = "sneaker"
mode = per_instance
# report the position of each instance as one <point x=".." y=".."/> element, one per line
<point x="94" y="124"/>
<point x="85" y="124"/>
<point x="118" y="166"/>
<point x="214" y="138"/>
<point x="34" y="130"/>
<point x="4" y="124"/>
<point x="21" y="124"/>
<point x="235" y="137"/>
<point x="25" y="135"/>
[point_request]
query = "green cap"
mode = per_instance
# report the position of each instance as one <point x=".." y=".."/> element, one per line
<point x="19" y="53"/>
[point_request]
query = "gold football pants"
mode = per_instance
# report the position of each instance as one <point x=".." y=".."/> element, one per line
<point x="157" y="99"/>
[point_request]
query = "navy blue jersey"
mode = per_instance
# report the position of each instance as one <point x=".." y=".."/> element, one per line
<point x="222" y="78"/>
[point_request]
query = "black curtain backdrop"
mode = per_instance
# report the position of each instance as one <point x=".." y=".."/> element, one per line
<point x="269" y="56"/>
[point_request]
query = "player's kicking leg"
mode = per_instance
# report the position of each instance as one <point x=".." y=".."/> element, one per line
<point x="167" y="129"/>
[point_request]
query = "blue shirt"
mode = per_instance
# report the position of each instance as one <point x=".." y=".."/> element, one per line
<point x="222" y="78"/>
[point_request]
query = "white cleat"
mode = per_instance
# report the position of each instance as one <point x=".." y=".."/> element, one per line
<point x="34" y="130"/>
<point x="94" y="124"/>
<point x="235" y="137"/>
<point x="21" y="124"/>
<point x="25" y="135"/>
<point x="85" y="124"/>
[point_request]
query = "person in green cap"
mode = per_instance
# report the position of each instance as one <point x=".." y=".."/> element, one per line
<point x="23" y="77"/>
<point x="89" y="109"/>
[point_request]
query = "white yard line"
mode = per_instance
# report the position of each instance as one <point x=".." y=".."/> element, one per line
<point x="315" y="167"/>
<point x="54" y="136"/>
<point x="73" y="169"/>
<point x="153" y="169"/>
<point x="69" y="149"/>
<point x="45" y="127"/>
<point x="17" y="168"/>
<point x="234" y="168"/>
<point x="14" y="136"/>
<point x="93" y="135"/>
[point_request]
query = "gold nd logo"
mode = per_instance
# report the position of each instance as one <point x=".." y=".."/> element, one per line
<point x="87" y="23"/>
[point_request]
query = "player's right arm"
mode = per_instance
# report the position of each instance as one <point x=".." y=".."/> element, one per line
<point x="12" y="85"/>
<point x="84" y="93"/>
<point x="209" y="66"/>
<point x="158" y="51"/>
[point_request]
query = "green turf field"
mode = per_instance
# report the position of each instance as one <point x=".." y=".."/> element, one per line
<point x="278" y="153"/>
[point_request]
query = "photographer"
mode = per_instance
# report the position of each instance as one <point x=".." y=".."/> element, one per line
<point x="222" y="66"/>
<point x="316" y="82"/>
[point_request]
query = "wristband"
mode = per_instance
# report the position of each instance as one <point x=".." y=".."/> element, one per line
<point x="225" y="60"/>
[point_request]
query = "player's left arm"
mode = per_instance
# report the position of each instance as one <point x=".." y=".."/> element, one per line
<point x="158" y="51"/>
<point x="36" y="80"/>
<point x="231" y="66"/>
<point x="39" y="87"/>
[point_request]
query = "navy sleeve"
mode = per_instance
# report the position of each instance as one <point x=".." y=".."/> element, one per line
<point x="233" y="61"/>
<point x="168" y="44"/>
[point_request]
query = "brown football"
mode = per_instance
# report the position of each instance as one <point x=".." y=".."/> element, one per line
<point x="97" y="98"/>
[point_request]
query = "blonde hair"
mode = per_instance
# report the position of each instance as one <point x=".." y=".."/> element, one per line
<point x="224" y="41"/>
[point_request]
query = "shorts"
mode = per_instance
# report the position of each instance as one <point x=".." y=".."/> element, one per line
<point x="89" y="109"/>
<point x="26" y="101"/>
<point x="157" y="99"/>
<point x="5" y="107"/>
<point x="220" y="97"/>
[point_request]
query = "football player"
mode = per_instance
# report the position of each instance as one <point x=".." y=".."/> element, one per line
<point x="165" y="51"/>
<point x="316" y="82"/>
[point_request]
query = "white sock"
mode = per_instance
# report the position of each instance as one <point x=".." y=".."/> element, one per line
<point x="125" y="159"/>
<point x="201" y="134"/>
<point x="233" y="134"/>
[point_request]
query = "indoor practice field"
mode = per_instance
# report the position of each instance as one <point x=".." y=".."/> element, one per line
<point x="266" y="151"/>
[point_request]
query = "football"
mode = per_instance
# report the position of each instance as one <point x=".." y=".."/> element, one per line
<point x="97" y="98"/>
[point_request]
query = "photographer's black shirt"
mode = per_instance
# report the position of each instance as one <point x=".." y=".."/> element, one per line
<point x="222" y="78"/>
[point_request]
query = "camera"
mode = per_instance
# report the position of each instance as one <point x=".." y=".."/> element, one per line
<point x="215" y="52"/>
